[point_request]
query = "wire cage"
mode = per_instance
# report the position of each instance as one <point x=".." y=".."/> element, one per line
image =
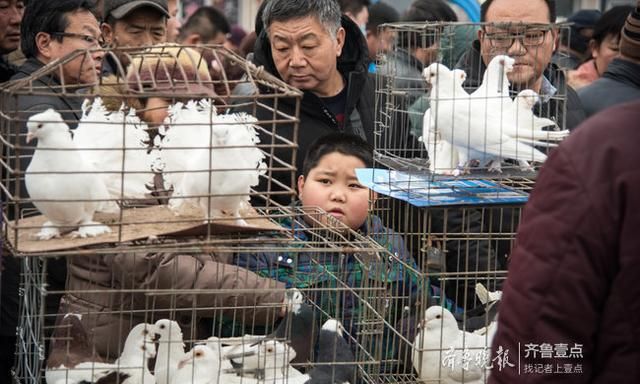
<point x="191" y="284"/>
<point x="429" y="341"/>
<point x="185" y="135"/>
<point x="453" y="103"/>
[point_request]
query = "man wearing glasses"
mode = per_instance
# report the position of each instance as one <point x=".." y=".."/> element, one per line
<point x="50" y="31"/>
<point x="523" y="29"/>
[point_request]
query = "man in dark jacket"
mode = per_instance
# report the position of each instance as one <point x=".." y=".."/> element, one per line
<point x="573" y="276"/>
<point x="309" y="45"/>
<point x="530" y="40"/>
<point x="10" y="17"/>
<point x="621" y="81"/>
<point x="50" y="31"/>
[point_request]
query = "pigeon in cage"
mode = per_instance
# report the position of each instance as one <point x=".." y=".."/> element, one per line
<point x="71" y="359"/>
<point x="63" y="187"/>
<point x="221" y="154"/>
<point x="333" y="348"/>
<point x="115" y="143"/>
<point x="470" y="127"/>
<point x="201" y="365"/>
<point x="170" y="350"/>
<point x="518" y="119"/>
<point x="443" y="157"/>
<point x="269" y="362"/>
<point x="298" y="327"/>
<point x="443" y="353"/>
<point x="139" y="348"/>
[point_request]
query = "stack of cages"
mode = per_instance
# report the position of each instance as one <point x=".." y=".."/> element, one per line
<point x="154" y="213"/>
<point x="456" y="155"/>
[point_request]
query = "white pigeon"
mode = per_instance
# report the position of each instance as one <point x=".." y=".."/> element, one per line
<point x="115" y="144"/>
<point x="201" y="365"/>
<point x="443" y="352"/>
<point x="443" y="158"/>
<point x="57" y="172"/>
<point x="138" y="348"/>
<point x="170" y="350"/>
<point x="529" y="126"/>
<point x="219" y="151"/>
<point x="518" y="120"/>
<point x="469" y="126"/>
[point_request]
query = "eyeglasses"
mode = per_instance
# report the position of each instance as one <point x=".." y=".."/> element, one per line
<point x="529" y="38"/>
<point x="90" y="40"/>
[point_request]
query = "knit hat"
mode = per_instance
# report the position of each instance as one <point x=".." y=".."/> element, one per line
<point x="179" y="71"/>
<point x="630" y="36"/>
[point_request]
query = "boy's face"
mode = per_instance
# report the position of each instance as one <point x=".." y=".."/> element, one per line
<point x="332" y="185"/>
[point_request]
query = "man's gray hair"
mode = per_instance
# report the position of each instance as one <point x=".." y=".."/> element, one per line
<point x="326" y="11"/>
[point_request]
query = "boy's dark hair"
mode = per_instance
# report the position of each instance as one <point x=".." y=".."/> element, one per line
<point x="206" y="22"/>
<point x="49" y="17"/>
<point x="381" y="13"/>
<point x="353" y="6"/>
<point x="424" y="11"/>
<point x="344" y="143"/>
<point x="611" y="23"/>
<point x="551" y="4"/>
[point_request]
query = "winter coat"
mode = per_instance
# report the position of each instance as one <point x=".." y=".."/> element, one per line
<point x="7" y="70"/>
<point x="573" y="277"/>
<point x="315" y="119"/>
<point x="99" y="287"/>
<point x="21" y="108"/>
<point x="473" y="65"/>
<point x="619" y="84"/>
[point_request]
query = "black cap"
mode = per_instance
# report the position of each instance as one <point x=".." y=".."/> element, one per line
<point x="120" y="8"/>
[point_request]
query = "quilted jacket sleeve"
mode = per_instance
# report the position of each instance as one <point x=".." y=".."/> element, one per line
<point x="241" y="293"/>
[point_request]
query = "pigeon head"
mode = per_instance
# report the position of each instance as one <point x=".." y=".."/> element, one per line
<point x="293" y="299"/>
<point x="501" y="61"/>
<point x="141" y="340"/>
<point x="434" y="70"/>
<point x="43" y="124"/>
<point x="168" y="331"/>
<point x="200" y="357"/>
<point x="528" y="97"/>
<point x="437" y="318"/>
<point x="270" y="352"/>
<point x="460" y="76"/>
<point x="333" y="325"/>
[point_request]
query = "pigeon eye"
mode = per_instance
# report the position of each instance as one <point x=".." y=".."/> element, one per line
<point x="144" y="347"/>
<point x="269" y="349"/>
<point x="145" y="332"/>
<point x="198" y="353"/>
<point x="40" y="125"/>
<point x="438" y="316"/>
<point x="162" y="326"/>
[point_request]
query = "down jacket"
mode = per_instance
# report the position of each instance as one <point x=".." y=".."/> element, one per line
<point x="573" y="277"/>
<point x="112" y="294"/>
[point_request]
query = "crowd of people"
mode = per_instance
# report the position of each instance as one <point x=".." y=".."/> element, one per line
<point x="575" y="249"/>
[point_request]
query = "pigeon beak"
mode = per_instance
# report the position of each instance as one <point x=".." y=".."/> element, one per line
<point x="30" y="136"/>
<point x="185" y="360"/>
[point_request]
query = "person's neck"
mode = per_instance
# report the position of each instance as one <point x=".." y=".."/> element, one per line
<point x="333" y="87"/>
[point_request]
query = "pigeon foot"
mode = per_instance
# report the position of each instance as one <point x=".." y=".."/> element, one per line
<point x="48" y="231"/>
<point x="90" y="229"/>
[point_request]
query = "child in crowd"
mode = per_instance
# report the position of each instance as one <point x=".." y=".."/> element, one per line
<point x="328" y="181"/>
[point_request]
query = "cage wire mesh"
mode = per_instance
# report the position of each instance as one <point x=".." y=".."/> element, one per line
<point x="455" y="121"/>
<point x="191" y="284"/>
<point x="454" y="148"/>
<point x="196" y="129"/>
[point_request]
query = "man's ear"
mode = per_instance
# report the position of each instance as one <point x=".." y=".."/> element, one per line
<point x="43" y="44"/>
<point x="107" y="33"/>
<point x="593" y="48"/>
<point x="300" y="186"/>
<point x="192" y="39"/>
<point x="556" y="37"/>
<point x="340" y="41"/>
